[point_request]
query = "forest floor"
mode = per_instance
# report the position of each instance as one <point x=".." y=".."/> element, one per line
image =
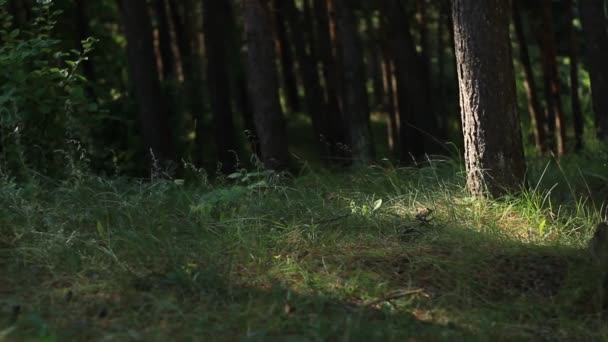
<point x="381" y="254"/>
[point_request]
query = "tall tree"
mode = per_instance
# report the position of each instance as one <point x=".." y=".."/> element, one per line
<point x="354" y="94"/>
<point x="164" y="39"/>
<point x="215" y="16"/>
<point x="263" y="84"/>
<point x="552" y="88"/>
<point x="412" y="92"/>
<point x="493" y="147"/>
<point x="153" y="111"/>
<point x="595" y="25"/>
<point x="537" y="118"/>
<point x="315" y="102"/>
<point x="328" y="57"/>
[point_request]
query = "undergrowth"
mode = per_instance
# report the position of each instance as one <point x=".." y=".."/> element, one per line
<point x="384" y="253"/>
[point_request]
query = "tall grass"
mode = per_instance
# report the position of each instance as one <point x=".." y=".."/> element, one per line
<point x="384" y="253"/>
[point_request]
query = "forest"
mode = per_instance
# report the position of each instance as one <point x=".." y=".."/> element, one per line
<point x="306" y="170"/>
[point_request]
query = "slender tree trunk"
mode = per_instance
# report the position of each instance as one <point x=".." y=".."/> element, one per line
<point x="555" y="112"/>
<point x="336" y="124"/>
<point x="315" y="103"/>
<point x="263" y="84"/>
<point x="288" y="66"/>
<point x="577" y="114"/>
<point x="596" y="43"/>
<point x="153" y="113"/>
<point x="534" y="107"/>
<point x="185" y="23"/>
<point x="354" y="94"/>
<point x="164" y="40"/>
<point x="215" y="16"/>
<point x="493" y="147"/>
<point x="412" y="92"/>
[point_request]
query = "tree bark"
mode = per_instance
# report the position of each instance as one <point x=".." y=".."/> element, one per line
<point x="354" y="94"/>
<point x="263" y="84"/>
<point x="153" y="112"/>
<point x="216" y="15"/>
<point x="493" y="147"/>
<point x="596" y="40"/>
<point x="337" y="137"/>
<point x="555" y="112"/>
<point x="539" y="128"/>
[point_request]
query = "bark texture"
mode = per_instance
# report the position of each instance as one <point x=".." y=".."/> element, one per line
<point x="263" y="84"/>
<point x="493" y="147"/>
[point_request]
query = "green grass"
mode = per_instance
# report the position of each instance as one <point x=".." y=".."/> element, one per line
<point x="317" y="257"/>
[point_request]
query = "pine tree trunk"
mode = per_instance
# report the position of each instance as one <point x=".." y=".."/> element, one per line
<point x="354" y="94"/>
<point x="337" y="138"/>
<point x="315" y="102"/>
<point x="412" y="93"/>
<point x="534" y="107"/>
<point x="263" y="84"/>
<point x="215" y="16"/>
<point x="493" y="147"/>
<point x="555" y="112"/>
<point x="153" y="112"/>
<point x="596" y="42"/>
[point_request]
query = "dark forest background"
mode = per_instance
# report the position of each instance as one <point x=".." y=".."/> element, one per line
<point x="127" y="87"/>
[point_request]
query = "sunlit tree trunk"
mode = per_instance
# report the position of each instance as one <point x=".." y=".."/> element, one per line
<point x="493" y="147"/>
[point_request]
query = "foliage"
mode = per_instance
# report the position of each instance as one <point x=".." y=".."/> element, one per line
<point x="43" y="103"/>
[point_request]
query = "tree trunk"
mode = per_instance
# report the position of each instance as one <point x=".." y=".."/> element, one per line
<point x="555" y="112"/>
<point x="596" y="40"/>
<point x="153" y="113"/>
<point x="288" y="66"/>
<point x="354" y="94"/>
<point x="412" y="93"/>
<point x="315" y="103"/>
<point x="164" y="40"/>
<point x="263" y="84"/>
<point x="577" y="114"/>
<point x="335" y="120"/>
<point x="215" y="18"/>
<point x="493" y="147"/>
<point x="537" y="118"/>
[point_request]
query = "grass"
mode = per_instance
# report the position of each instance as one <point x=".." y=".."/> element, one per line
<point x="384" y="253"/>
